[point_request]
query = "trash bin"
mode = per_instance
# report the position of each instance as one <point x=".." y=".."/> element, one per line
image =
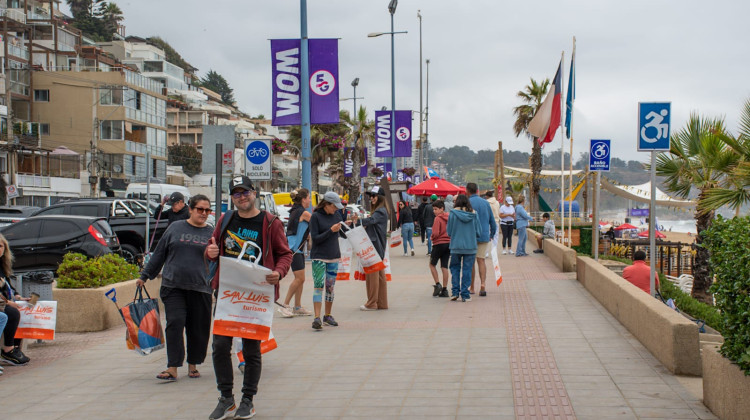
<point x="39" y="282"/>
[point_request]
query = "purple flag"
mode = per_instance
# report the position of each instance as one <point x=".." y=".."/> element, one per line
<point x="383" y="134"/>
<point x="349" y="161"/>
<point x="386" y="167"/>
<point x="324" y="73"/>
<point x="363" y="168"/>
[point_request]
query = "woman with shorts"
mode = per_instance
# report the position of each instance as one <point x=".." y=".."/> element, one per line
<point x="297" y="231"/>
<point x="440" y="248"/>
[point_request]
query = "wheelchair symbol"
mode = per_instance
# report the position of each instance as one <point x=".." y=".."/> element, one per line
<point x="656" y="122"/>
<point x="600" y="150"/>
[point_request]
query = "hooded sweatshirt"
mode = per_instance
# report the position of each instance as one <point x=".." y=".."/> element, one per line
<point x="448" y="203"/>
<point x="440" y="230"/>
<point x="464" y="229"/>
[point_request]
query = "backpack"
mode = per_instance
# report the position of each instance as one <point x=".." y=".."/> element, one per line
<point x="214" y="265"/>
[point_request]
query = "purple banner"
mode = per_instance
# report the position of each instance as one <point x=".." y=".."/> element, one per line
<point x="401" y="176"/>
<point x="348" y="162"/>
<point x="324" y="72"/>
<point x="639" y="212"/>
<point x="383" y="134"/>
<point x="363" y="168"/>
<point x="386" y="167"/>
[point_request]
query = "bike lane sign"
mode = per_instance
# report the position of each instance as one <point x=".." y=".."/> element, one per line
<point x="653" y="126"/>
<point x="599" y="155"/>
<point x="258" y="156"/>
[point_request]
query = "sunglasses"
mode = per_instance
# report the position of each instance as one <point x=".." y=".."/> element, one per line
<point x="241" y="194"/>
<point x="204" y="210"/>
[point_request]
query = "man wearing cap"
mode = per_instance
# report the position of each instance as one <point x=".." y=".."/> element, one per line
<point x="487" y="223"/>
<point x="265" y="230"/>
<point x="178" y="209"/>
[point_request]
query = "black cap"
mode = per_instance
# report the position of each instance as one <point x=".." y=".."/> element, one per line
<point x="376" y="190"/>
<point x="175" y="197"/>
<point x="241" y="181"/>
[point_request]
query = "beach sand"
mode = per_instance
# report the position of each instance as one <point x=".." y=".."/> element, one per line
<point x="680" y="237"/>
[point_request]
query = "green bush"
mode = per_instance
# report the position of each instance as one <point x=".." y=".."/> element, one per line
<point x="728" y="241"/>
<point x="585" y="246"/>
<point x="690" y="305"/>
<point x="79" y="272"/>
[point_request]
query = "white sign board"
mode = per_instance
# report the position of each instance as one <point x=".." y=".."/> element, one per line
<point x="258" y="155"/>
<point x="12" y="191"/>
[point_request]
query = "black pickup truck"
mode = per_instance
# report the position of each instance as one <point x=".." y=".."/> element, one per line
<point x="126" y="216"/>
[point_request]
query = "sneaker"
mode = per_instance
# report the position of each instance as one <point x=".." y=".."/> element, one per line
<point x="468" y="299"/>
<point x="365" y="308"/>
<point x="505" y="252"/>
<point x="482" y="293"/>
<point x="328" y="320"/>
<point x="15" y="357"/>
<point x="405" y="254"/>
<point x="454" y="298"/>
<point x="444" y="292"/>
<point x="301" y="311"/>
<point x="412" y="252"/>
<point x="223" y="409"/>
<point x="538" y="251"/>
<point x="246" y="409"/>
<point x="285" y="311"/>
<point x="317" y="325"/>
<point x="436" y="289"/>
<point x="241" y="367"/>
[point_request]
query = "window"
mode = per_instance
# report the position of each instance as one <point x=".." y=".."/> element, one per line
<point x="41" y="95"/>
<point x="112" y="130"/>
<point x="84" y="210"/>
<point x="23" y="231"/>
<point x="53" y="210"/>
<point x="110" y="96"/>
<point x="54" y="228"/>
<point x="44" y="129"/>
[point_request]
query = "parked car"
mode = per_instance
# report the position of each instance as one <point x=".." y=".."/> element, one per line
<point x="41" y="242"/>
<point x="265" y="201"/>
<point x="127" y="217"/>
<point x="356" y="208"/>
<point x="284" y="212"/>
<point x="13" y="214"/>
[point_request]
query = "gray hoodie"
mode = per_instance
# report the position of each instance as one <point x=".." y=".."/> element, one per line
<point x="448" y="203"/>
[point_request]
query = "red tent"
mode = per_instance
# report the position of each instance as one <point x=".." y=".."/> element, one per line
<point x="659" y="235"/>
<point x="436" y="186"/>
<point x="625" y="226"/>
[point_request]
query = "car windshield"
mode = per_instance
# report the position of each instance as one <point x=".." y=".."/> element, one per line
<point x="136" y="207"/>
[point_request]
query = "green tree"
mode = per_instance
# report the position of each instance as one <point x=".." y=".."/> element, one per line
<point x="218" y="84"/>
<point x="697" y="159"/>
<point x="186" y="156"/>
<point x="97" y="19"/>
<point x="111" y="18"/>
<point x="532" y="96"/>
<point x="361" y="136"/>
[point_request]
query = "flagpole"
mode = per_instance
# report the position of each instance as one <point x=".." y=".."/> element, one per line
<point x="562" y="153"/>
<point x="571" y="85"/>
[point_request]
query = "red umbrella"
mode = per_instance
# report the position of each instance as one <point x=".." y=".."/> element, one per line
<point x="625" y="226"/>
<point x="659" y="235"/>
<point x="436" y="186"/>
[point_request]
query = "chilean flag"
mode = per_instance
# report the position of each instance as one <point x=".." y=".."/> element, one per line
<point x="547" y="119"/>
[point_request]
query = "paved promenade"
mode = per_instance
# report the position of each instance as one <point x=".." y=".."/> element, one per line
<point x="538" y="347"/>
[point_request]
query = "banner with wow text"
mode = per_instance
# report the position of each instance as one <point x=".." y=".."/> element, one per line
<point x="383" y="134"/>
<point x="286" y="86"/>
<point x="244" y="305"/>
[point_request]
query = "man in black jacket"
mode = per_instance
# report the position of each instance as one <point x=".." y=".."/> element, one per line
<point x="428" y="217"/>
<point x="178" y="211"/>
<point x="420" y="217"/>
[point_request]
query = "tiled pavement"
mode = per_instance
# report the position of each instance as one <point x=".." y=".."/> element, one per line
<point x="538" y="347"/>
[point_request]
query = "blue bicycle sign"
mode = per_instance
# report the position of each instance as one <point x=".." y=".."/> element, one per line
<point x="257" y="152"/>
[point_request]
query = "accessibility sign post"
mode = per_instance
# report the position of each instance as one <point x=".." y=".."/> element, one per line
<point x="258" y="159"/>
<point x="653" y="136"/>
<point x="599" y="158"/>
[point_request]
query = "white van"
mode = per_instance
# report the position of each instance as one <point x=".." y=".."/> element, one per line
<point x="157" y="191"/>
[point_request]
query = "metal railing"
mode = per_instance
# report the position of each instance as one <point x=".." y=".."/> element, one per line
<point x="15" y="14"/>
<point x="33" y="181"/>
<point x="17" y="51"/>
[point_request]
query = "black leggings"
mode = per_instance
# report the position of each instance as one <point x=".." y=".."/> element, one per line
<point x="10" y="328"/>
<point x="188" y="313"/>
<point x="507" y="234"/>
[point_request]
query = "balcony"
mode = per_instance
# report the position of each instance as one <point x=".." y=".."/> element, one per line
<point x="34" y="181"/>
<point x="17" y="51"/>
<point x="15" y="15"/>
<point x="38" y="14"/>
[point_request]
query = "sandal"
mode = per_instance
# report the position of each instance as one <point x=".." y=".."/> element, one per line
<point x="194" y="374"/>
<point x="166" y="376"/>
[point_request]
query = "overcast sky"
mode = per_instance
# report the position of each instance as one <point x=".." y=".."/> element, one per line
<point x="692" y="53"/>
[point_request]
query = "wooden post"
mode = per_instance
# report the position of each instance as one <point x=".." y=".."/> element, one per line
<point x="586" y="183"/>
<point x="501" y="168"/>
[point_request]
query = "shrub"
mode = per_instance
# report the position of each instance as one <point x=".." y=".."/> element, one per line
<point x="690" y="305"/>
<point x="728" y="242"/>
<point x="79" y="272"/>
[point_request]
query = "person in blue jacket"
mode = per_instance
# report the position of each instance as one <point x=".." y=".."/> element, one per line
<point x="522" y="221"/>
<point x="464" y="229"/>
<point x="489" y="228"/>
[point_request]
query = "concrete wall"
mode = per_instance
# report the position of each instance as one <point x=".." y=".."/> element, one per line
<point x="563" y="257"/>
<point x="669" y="336"/>
<point x="725" y="386"/>
<point x="84" y="310"/>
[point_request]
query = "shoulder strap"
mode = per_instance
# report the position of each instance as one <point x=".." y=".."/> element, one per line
<point x="225" y="221"/>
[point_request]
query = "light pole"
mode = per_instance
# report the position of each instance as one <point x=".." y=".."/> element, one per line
<point x="427" y="116"/>
<point x="421" y="127"/>
<point x="305" y="100"/>
<point x="392" y="10"/>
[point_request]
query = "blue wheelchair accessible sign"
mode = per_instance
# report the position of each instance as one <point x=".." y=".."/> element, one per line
<point x="599" y="154"/>
<point x="653" y="126"/>
<point x="258" y="155"/>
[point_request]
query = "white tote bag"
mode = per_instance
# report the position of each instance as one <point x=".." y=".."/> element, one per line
<point x="244" y="305"/>
<point x="396" y="238"/>
<point x="38" y="321"/>
<point x="364" y="249"/>
<point x="345" y="264"/>
<point x="496" y="264"/>
<point x="387" y="262"/>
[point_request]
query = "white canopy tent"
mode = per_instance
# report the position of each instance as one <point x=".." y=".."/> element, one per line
<point x="642" y="194"/>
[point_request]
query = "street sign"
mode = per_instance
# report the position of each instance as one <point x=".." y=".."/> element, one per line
<point x="227" y="162"/>
<point x="599" y="155"/>
<point x="653" y="126"/>
<point x="258" y="155"/>
<point x="12" y="191"/>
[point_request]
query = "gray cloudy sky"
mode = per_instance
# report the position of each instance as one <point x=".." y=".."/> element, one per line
<point x="692" y="53"/>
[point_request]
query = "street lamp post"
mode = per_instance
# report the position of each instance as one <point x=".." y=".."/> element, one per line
<point x="392" y="10"/>
<point x="305" y="100"/>
<point x="355" y="82"/>
<point x="421" y="109"/>
<point x="427" y="114"/>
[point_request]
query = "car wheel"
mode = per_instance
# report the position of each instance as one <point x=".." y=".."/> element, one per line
<point x="129" y="253"/>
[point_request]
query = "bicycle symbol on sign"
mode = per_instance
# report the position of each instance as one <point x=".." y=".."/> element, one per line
<point x="257" y="152"/>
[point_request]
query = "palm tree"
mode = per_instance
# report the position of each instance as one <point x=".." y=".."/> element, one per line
<point x="317" y="133"/>
<point x="532" y="96"/>
<point x="735" y="190"/>
<point x="361" y="135"/>
<point x="697" y="159"/>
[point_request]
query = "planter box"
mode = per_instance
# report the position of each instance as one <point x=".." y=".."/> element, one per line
<point x="725" y="386"/>
<point x="85" y="310"/>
